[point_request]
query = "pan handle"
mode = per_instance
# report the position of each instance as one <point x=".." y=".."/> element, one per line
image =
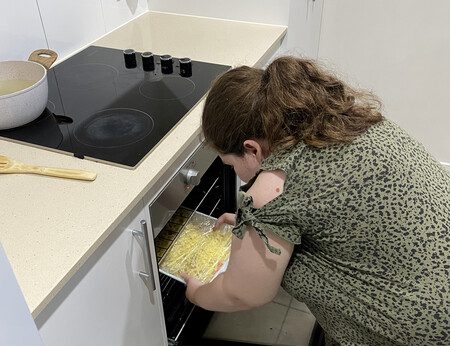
<point x="45" y="57"/>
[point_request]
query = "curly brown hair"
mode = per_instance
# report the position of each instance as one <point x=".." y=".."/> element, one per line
<point x="292" y="100"/>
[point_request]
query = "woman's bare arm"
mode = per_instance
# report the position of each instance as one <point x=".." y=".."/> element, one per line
<point x="254" y="273"/>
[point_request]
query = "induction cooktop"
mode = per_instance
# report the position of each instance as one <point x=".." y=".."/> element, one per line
<point x="114" y="106"/>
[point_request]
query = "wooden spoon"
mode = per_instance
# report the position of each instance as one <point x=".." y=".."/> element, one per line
<point x="8" y="165"/>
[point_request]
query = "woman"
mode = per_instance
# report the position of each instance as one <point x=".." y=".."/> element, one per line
<point x="341" y="207"/>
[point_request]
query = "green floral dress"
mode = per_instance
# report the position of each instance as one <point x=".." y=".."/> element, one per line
<point x="371" y="226"/>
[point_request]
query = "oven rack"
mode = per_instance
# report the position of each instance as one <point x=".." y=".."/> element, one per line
<point x="206" y="199"/>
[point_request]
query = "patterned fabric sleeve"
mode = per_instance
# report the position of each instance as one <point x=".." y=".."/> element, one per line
<point x="269" y="218"/>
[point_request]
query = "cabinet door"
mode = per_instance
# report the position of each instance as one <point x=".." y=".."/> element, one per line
<point x="107" y="302"/>
<point x="16" y="325"/>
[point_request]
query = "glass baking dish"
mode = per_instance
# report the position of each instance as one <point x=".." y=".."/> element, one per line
<point x="188" y="244"/>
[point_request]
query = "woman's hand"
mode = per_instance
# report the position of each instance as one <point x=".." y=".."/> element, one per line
<point x="192" y="284"/>
<point x="227" y="218"/>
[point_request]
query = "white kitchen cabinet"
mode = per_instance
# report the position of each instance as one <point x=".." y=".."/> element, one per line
<point x="107" y="302"/>
<point x="17" y="327"/>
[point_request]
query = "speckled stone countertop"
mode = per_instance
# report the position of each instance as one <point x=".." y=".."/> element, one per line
<point x="50" y="226"/>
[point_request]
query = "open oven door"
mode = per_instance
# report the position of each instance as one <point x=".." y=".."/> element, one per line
<point x="204" y="184"/>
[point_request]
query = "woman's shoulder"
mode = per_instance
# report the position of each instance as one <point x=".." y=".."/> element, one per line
<point x="266" y="187"/>
<point x="284" y="159"/>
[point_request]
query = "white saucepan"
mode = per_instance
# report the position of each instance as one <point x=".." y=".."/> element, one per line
<point x="24" y="88"/>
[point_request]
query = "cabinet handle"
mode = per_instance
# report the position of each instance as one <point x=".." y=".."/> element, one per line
<point x="148" y="275"/>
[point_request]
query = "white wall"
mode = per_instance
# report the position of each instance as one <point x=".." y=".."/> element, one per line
<point x="259" y="11"/>
<point x="21" y="29"/>
<point x="302" y="39"/>
<point x="64" y="26"/>
<point x="301" y="16"/>
<point x="400" y="50"/>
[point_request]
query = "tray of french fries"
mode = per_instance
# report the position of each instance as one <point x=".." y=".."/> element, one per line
<point x="188" y="244"/>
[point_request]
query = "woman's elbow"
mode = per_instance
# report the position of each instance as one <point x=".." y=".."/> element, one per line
<point x="248" y="300"/>
<point x="254" y="301"/>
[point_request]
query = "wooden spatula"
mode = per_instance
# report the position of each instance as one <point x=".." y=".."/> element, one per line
<point x="8" y="165"/>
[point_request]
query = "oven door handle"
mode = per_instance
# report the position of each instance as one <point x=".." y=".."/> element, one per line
<point x="148" y="276"/>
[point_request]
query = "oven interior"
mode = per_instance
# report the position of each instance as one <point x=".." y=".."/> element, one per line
<point x="215" y="195"/>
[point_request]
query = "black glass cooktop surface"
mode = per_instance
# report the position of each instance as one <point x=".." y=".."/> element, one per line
<point x="102" y="107"/>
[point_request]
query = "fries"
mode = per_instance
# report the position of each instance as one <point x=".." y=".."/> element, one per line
<point x="198" y="251"/>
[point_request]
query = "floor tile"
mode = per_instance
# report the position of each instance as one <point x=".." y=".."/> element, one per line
<point x="296" y="329"/>
<point x="283" y="297"/>
<point x="295" y="304"/>
<point x="260" y="326"/>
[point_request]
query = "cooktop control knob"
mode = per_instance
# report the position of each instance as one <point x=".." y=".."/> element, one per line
<point x="190" y="176"/>
<point x="166" y="64"/>
<point x="185" y="67"/>
<point x="130" y="58"/>
<point x="148" y="61"/>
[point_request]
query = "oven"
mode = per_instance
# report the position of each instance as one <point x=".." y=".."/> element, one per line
<point x="196" y="182"/>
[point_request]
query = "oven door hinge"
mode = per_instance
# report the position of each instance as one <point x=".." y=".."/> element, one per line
<point x="173" y="342"/>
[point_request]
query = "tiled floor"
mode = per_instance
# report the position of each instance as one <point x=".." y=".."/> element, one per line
<point x="285" y="322"/>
